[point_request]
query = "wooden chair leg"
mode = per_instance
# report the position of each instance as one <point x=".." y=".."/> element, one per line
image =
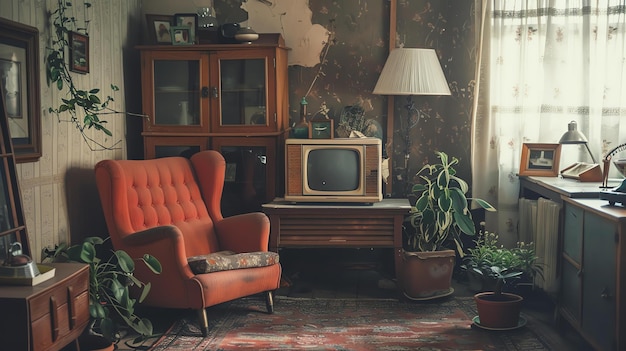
<point x="204" y="321"/>
<point x="269" y="301"/>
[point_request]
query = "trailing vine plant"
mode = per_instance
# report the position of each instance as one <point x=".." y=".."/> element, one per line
<point x="77" y="102"/>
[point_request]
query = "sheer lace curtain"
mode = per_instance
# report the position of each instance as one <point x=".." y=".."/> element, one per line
<point x="542" y="64"/>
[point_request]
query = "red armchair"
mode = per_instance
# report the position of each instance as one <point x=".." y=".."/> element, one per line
<point x="170" y="208"/>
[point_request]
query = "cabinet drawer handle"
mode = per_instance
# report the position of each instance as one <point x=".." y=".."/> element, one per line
<point x="205" y="92"/>
<point x="71" y="303"/>
<point x="55" y="318"/>
<point x="605" y="295"/>
<point x="214" y="92"/>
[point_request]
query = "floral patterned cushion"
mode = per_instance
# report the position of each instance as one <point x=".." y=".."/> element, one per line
<point x="225" y="260"/>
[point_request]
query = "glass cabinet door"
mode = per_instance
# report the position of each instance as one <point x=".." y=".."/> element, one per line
<point x="177" y="97"/>
<point x="250" y="163"/>
<point x="241" y="94"/>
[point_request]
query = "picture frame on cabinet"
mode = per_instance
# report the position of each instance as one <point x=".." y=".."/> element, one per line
<point x="181" y="35"/>
<point x="187" y="20"/>
<point x="321" y="129"/>
<point x="79" y="53"/>
<point x="540" y="160"/>
<point x="159" y="28"/>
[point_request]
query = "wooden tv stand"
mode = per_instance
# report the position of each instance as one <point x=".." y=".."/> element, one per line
<point x="320" y="225"/>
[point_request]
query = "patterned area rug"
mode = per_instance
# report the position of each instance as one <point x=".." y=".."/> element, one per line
<point x="347" y="324"/>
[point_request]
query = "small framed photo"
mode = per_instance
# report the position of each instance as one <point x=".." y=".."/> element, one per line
<point x="159" y="28"/>
<point x="189" y="20"/>
<point x="79" y="53"/>
<point x="321" y="129"/>
<point x="181" y="35"/>
<point x="540" y="160"/>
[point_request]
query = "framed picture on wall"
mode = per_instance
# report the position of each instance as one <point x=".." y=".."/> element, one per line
<point x="19" y="86"/>
<point x="540" y="160"/>
<point x="79" y="53"/>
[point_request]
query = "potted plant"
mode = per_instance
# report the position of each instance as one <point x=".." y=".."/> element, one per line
<point x="439" y="215"/>
<point x="487" y="254"/>
<point x="503" y="267"/>
<point x="110" y="280"/>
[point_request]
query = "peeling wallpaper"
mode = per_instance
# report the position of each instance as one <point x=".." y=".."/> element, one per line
<point x="343" y="82"/>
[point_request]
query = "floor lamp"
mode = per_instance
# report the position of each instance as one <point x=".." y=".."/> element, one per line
<point x="409" y="72"/>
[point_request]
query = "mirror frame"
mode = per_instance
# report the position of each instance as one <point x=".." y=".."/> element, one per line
<point x="12" y="221"/>
<point x="26" y="149"/>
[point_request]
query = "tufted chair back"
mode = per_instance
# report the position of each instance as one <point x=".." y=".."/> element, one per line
<point x="170" y="208"/>
<point x="159" y="192"/>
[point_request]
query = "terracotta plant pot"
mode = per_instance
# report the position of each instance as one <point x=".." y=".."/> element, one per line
<point x="498" y="312"/>
<point x="427" y="275"/>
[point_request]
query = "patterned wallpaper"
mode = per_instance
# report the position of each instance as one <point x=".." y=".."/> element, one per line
<point x="354" y="58"/>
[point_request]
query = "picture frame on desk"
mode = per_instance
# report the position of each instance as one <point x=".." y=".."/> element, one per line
<point x="540" y="160"/>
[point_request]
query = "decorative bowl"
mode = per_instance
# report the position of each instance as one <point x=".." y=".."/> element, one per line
<point x="246" y="35"/>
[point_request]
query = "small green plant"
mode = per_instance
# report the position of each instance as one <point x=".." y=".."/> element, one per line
<point x="110" y="279"/>
<point x="441" y="212"/>
<point x="501" y="264"/>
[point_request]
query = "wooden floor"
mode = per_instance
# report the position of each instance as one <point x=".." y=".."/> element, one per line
<point x="367" y="273"/>
<point x="362" y="273"/>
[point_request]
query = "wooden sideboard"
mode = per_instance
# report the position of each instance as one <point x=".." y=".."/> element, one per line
<point x="592" y="258"/>
<point x="301" y="225"/>
<point x="49" y="315"/>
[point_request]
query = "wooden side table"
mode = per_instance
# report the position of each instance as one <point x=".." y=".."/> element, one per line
<point x="378" y="225"/>
<point x="49" y="315"/>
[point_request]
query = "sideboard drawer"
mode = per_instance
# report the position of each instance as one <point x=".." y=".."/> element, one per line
<point x="49" y="315"/>
<point x="60" y="320"/>
<point x="59" y="295"/>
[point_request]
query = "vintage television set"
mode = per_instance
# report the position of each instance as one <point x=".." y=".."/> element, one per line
<point x="333" y="170"/>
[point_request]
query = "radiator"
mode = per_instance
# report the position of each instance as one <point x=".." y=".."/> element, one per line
<point x="539" y="223"/>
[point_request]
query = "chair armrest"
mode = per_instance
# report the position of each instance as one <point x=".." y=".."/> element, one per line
<point x="246" y="232"/>
<point x="166" y="243"/>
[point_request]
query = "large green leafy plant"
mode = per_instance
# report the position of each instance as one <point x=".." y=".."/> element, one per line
<point x="441" y="210"/>
<point x="110" y="279"/>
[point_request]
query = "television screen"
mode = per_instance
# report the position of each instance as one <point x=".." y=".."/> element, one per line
<point x="333" y="170"/>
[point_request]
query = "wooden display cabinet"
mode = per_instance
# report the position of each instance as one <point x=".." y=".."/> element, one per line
<point x="250" y="179"/>
<point x="174" y="146"/>
<point x="227" y="97"/>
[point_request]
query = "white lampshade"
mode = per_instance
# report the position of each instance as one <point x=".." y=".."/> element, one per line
<point x="410" y="71"/>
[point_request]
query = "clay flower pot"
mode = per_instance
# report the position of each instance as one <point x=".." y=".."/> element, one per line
<point x="498" y="312"/>
<point x="427" y="275"/>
